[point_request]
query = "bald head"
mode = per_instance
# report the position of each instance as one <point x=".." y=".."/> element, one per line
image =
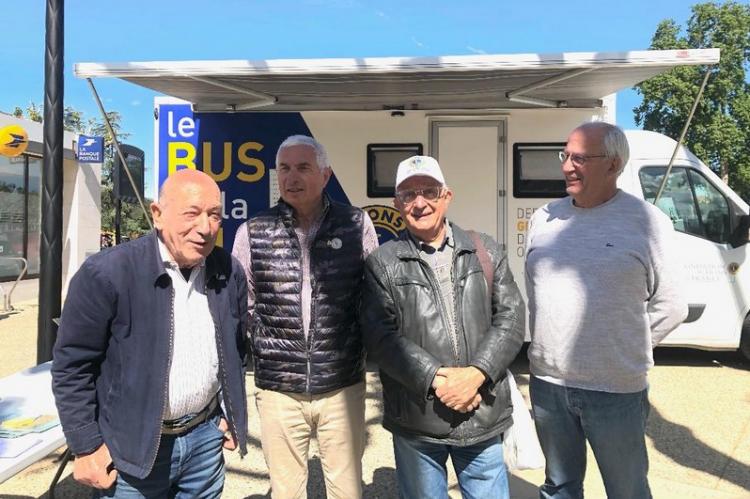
<point x="188" y="216"/>
<point x="177" y="182"/>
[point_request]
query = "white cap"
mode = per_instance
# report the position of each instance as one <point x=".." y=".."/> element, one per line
<point x="423" y="166"/>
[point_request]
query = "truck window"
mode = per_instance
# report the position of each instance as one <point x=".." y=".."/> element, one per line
<point x="382" y="162"/>
<point x="693" y="204"/>
<point x="536" y="170"/>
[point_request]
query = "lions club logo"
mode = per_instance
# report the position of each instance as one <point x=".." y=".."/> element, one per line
<point x="387" y="221"/>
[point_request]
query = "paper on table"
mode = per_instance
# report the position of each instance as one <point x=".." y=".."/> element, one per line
<point x="18" y="425"/>
<point x="14" y="447"/>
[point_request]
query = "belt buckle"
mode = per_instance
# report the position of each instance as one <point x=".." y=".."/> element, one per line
<point x="177" y="426"/>
<point x="185" y="423"/>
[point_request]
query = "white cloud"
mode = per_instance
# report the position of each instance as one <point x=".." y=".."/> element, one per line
<point x="417" y="42"/>
<point x="475" y="50"/>
<point x="135" y="103"/>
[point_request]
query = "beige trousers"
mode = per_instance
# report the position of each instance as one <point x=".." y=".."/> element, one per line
<point x="287" y="423"/>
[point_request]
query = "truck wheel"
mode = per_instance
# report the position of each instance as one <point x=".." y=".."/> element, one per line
<point x="745" y="339"/>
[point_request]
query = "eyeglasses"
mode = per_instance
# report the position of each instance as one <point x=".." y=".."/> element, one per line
<point x="429" y="194"/>
<point x="577" y="159"/>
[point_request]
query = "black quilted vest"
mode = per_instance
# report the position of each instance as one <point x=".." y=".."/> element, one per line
<point x="332" y="356"/>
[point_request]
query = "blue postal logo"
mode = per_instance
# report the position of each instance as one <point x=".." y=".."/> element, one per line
<point x="90" y="149"/>
<point x="387" y="221"/>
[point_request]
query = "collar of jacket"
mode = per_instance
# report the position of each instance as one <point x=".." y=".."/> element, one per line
<point x="157" y="269"/>
<point x="408" y="250"/>
<point x="287" y="212"/>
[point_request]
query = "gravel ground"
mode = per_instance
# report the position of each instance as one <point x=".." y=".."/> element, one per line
<point x="698" y="433"/>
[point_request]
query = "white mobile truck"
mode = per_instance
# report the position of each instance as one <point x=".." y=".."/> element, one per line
<point x="494" y="122"/>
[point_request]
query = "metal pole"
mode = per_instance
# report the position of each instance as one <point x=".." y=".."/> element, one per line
<point x="116" y="144"/>
<point x="682" y="137"/>
<point x="7" y="306"/>
<point x="118" y="220"/>
<point x="50" y="275"/>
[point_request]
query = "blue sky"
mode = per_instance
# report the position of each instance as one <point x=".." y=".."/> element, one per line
<point x="136" y="30"/>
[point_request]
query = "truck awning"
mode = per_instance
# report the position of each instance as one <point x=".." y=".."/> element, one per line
<point x="576" y="79"/>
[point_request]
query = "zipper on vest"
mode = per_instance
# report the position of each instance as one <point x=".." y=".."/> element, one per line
<point x="308" y="338"/>
<point x="310" y="328"/>
<point x="313" y="298"/>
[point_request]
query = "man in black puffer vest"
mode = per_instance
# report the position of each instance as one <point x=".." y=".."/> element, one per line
<point x="304" y="260"/>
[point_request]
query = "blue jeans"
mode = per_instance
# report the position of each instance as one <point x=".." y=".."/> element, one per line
<point x="613" y="423"/>
<point x="421" y="471"/>
<point x="187" y="465"/>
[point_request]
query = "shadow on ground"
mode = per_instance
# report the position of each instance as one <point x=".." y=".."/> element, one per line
<point x="679" y="444"/>
<point x="668" y="356"/>
<point x="66" y="489"/>
<point x="384" y="485"/>
<point x="676" y="441"/>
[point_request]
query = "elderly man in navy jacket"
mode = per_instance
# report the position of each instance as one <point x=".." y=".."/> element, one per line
<point x="147" y="370"/>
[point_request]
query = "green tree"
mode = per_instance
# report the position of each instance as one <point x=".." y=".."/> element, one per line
<point x="133" y="220"/>
<point x="35" y="112"/>
<point x="73" y="120"/>
<point x="720" y="131"/>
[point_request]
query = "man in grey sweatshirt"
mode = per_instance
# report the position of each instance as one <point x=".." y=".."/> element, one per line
<point x="603" y="291"/>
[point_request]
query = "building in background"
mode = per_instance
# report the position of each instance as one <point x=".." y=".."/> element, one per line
<point x="20" y="205"/>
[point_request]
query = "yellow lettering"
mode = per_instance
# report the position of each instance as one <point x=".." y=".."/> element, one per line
<point x="260" y="168"/>
<point x="226" y="170"/>
<point x="220" y="237"/>
<point x="173" y="161"/>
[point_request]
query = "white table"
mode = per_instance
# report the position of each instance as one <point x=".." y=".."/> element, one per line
<point x="30" y="392"/>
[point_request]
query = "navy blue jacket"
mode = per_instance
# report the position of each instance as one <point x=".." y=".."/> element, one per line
<point x="111" y="358"/>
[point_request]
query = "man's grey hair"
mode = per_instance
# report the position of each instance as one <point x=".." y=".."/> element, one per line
<point x="615" y="142"/>
<point x="321" y="157"/>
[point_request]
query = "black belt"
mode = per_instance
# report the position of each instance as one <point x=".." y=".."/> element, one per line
<point x="185" y="423"/>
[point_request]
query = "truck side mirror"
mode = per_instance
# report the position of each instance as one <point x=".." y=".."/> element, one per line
<point x="741" y="233"/>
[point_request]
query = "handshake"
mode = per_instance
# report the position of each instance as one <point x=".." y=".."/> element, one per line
<point x="458" y="387"/>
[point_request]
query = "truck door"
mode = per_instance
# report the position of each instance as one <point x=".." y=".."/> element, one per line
<point x="471" y="154"/>
<point x="713" y="272"/>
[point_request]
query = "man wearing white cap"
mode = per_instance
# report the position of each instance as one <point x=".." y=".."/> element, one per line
<point x="443" y="318"/>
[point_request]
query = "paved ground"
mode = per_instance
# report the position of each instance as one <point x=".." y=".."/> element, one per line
<point x="698" y="433"/>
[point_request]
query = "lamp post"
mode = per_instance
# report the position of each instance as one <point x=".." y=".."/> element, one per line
<point x="50" y="274"/>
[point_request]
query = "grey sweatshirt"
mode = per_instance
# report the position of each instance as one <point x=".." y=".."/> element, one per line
<point x="603" y="289"/>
